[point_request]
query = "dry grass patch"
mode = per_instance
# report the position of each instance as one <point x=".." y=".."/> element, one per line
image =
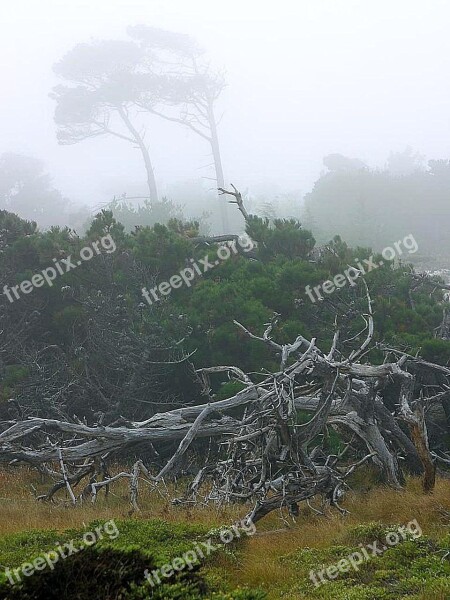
<point x="256" y="563"/>
<point x="19" y="510"/>
<point x="261" y="566"/>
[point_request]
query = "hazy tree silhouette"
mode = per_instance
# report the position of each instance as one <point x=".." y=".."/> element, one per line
<point x="190" y="89"/>
<point x="114" y="85"/>
<point x="25" y="189"/>
<point x="106" y="79"/>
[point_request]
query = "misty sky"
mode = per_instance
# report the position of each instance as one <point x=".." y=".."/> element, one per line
<point x="306" y="78"/>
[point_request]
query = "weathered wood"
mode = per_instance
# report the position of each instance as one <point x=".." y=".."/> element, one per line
<point x="417" y="426"/>
<point x="269" y="456"/>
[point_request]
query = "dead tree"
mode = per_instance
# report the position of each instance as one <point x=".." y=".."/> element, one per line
<point x="266" y="456"/>
<point x="262" y="454"/>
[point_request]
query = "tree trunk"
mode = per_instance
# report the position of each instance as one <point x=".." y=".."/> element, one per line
<point x="215" y="147"/>
<point x="151" y="181"/>
<point x="418" y="429"/>
<point x="419" y="437"/>
<point x="370" y="435"/>
<point x="391" y="430"/>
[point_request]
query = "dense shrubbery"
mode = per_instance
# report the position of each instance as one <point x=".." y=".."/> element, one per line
<point x="91" y="344"/>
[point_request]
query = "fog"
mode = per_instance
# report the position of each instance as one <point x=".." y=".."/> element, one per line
<point x="224" y="287"/>
<point x="305" y="79"/>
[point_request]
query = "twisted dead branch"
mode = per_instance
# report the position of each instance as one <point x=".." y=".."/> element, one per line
<point x="264" y="450"/>
<point x="263" y="453"/>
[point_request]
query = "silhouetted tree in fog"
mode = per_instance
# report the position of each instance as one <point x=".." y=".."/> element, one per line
<point x="190" y="86"/>
<point x="114" y="84"/>
<point x="25" y="189"/>
<point x="107" y="78"/>
<point x="405" y="163"/>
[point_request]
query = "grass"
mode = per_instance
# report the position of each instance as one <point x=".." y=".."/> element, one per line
<point x="261" y="566"/>
<point x="20" y="511"/>
<point x="277" y="559"/>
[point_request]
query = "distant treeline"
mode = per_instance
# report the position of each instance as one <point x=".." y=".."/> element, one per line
<point x="376" y="207"/>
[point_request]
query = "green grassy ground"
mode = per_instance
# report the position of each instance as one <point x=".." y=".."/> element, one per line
<point x="273" y="564"/>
